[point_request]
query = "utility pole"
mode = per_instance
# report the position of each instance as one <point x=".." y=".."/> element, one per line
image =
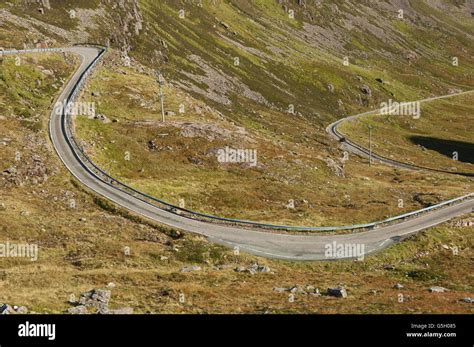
<point x="370" y="145"/>
<point x="161" y="83"/>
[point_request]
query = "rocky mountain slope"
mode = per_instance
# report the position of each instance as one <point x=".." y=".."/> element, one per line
<point x="215" y="49"/>
<point x="267" y="74"/>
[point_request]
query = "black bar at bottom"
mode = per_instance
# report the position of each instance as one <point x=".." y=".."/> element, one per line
<point x="315" y="330"/>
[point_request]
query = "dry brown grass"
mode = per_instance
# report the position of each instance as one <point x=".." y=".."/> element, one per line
<point x="75" y="256"/>
<point x="292" y="156"/>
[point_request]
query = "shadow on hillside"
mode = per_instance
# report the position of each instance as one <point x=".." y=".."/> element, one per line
<point x="465" y="150"/>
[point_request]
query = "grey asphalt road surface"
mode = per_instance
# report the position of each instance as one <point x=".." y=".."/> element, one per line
<point x="266" y="244"/>
<point x="350" y="146"/>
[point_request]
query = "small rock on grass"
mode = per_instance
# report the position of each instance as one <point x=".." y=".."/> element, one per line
<point x="191" y="268"/>
<point x="253" y="269"/>
<point x="281" y="289"/>
<point x="8" y="309"/>
<point x="124" y="310"/>
<point x="81" y="309"/>
<point x="339" y="292"/>
<point x="437" y="289"/>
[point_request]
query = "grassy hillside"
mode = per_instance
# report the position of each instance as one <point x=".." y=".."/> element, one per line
<point x="443" y="130"/>
<point x="282" y="61"/>
<point x="177" y="160"/>
<point x="295" y="59"/>
<point x="238" y="68"/>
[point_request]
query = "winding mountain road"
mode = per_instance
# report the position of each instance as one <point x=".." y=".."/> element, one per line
<point x="364" y="152"/>
<point x="266" y="244"/>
